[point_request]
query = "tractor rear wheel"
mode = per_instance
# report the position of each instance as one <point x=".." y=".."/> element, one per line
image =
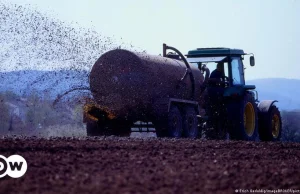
<point x="243" y="119"/>
<point x="270" y="125"/>
<point x="190" y="122"/>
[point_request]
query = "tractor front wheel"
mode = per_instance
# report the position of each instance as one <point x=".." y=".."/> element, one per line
<point x="270" y="125"/>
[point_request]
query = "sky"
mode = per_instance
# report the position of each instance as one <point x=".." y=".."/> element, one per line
<point x="270" y="28"/>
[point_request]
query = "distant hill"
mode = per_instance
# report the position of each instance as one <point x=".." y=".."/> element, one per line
<point x="286" y="91"/>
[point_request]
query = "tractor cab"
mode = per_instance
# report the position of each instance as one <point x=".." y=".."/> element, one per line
<point x="230" y="63"/>
<point x="227" y="93"/>
<point x="231" y="107"/>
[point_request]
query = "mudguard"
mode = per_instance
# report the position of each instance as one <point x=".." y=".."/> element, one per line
<point x="265" y="105"/>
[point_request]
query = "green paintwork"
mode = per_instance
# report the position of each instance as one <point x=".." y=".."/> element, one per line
<point x="237" y="90"/>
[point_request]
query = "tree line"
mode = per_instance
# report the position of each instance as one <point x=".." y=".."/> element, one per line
<point x="24" y="114"/>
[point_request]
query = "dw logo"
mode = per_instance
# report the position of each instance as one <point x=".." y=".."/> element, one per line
<point x="14" y="166"/>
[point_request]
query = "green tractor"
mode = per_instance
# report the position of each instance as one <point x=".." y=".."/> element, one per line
<point x="232" y="107"/>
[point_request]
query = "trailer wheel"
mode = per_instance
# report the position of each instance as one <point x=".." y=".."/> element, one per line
<point x="174" y="125"/>
<point x="190" y="122"/>
<point x="270" y="125"/>
<point x="243" y="119"/>
<point x="169" y="125"/>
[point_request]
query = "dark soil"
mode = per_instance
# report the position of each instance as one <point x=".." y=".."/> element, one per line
<point x="128" y="165"/>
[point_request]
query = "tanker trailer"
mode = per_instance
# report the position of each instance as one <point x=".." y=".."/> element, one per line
<point x="129" y="87"/>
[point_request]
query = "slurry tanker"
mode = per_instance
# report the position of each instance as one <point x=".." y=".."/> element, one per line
<point x="175" y="94"/>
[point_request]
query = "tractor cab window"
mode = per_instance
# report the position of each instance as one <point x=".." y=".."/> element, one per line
<point x="213" y="65"/>
<point x="237" y="71"/>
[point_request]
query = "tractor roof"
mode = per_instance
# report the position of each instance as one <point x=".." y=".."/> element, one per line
<point x="209" y="52"/>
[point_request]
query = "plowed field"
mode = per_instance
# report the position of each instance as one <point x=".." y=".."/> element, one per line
<point x="131" y="165"/>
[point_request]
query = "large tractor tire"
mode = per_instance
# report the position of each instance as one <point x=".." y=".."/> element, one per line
<point x="190" y="122"/>
<point x="270" y="125"/>
<point x="171" y="125"/>
<point x="243" y="119"/>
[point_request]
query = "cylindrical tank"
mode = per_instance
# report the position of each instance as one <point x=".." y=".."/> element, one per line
<point x="127" y="84"/>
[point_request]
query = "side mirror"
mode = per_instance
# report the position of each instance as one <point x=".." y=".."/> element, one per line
<point x="252" y="61"/>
